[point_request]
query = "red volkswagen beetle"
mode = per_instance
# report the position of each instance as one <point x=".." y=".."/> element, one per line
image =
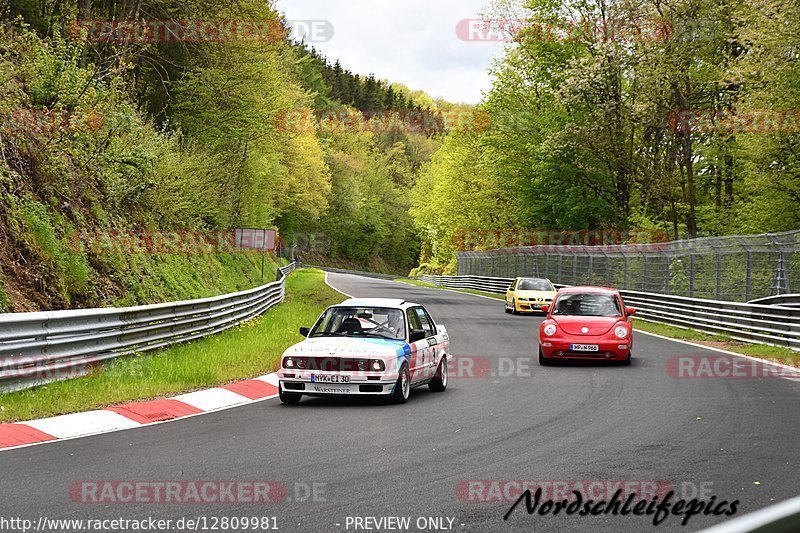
<point x="586" y="323"/>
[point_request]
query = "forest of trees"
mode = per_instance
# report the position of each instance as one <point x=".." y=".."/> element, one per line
<point x="679" y="116"/>
<point x="336" y="86"/>
<point x="108" y="132"/>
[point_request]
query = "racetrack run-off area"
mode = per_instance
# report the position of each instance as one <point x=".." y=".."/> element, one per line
<point x="502" y="419"/>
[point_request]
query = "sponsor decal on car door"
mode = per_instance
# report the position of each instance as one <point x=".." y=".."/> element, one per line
<point x="431" y="342"/>
<point x="418" y="348"/>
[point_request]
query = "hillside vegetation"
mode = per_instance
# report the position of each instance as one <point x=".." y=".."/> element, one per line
<point x="146" y="135"/>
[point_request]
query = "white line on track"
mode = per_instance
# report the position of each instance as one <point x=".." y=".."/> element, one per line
<point x="334" y="288"/>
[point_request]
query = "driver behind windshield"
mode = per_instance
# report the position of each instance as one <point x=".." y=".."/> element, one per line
<point x="351" y="322"/>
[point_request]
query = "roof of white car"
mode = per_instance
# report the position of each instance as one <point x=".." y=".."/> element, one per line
<point x="392" y="303"/>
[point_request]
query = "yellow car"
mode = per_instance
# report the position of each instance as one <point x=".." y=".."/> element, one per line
<point x="527" y="295"/>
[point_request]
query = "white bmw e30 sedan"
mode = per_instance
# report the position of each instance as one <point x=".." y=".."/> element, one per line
<point x="368" y="347"/>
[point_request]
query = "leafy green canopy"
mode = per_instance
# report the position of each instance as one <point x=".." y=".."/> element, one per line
<point x="680" y="117"/>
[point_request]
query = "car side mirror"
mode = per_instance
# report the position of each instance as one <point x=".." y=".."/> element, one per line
<point x="545" y="309"/>
<point x="417" y="335"/>
<point x="510" y="288"/>
<point x="305" y="332"/>
<point x="630" y="311"/>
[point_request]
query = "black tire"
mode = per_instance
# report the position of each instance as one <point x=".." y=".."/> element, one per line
<point x="505" y="306"/>
<point x="627" y="362"/>
<point x="289" y="398"/>
<point x="543" y="361"/>
<point x="402" y="389"/>
<point x="513" y="306"/>
<point x="439" y="381"/>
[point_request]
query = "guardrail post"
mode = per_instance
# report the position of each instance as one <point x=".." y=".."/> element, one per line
<point x="781" y="276"/>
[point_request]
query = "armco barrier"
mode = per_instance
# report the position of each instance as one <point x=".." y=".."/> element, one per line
<point x="756" y="323"/>
<point x="37" y="348"/>
<point x="784" y="300"/>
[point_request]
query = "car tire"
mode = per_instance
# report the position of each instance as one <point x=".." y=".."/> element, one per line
<point x="289" y="398"/>
<point x="505" y="306"/>
<point x="543" y="361"/>
<point x="439" y="382"/>
<point x="514" y="307"/>
<point x="402" y="389"/>
<point x="627" y="362"/>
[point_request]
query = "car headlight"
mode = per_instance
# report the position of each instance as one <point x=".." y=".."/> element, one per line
<point x="550" y="329"/>
<point x="378" y="365"/>
<point x="288" y="363"/>
<point x="621" y="332"/>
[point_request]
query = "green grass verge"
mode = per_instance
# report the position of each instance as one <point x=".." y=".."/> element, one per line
<point x="784" y="355"/>
<point x="242" y="352"/>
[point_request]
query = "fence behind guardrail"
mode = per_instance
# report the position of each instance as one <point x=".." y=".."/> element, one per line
<point x="735" y="268"/>
<point x="37" y="348"/>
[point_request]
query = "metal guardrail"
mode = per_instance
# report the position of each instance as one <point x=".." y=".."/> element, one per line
<point x="755" y="323"/>
<point x="38" y="348"/>
<point x="784" y="300"/>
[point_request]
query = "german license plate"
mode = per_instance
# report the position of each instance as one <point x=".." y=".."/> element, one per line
<point x="319" y="378"/>
<point x="584" y="348"/>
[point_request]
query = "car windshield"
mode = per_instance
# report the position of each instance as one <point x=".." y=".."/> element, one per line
<point x="361" y="322"/>
<point x="535" y="285"/>
<point x="587" y="304"/>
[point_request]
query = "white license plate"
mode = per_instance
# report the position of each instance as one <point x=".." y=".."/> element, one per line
<point x="584" y="348"/>
<point x="319" y="378"/>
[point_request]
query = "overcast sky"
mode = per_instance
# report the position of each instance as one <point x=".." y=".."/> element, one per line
<point x="409" y="41"/>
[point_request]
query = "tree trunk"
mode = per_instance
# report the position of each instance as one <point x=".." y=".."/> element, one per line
<point x="84" y="9"/>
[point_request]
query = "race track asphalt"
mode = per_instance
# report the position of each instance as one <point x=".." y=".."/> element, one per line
<point x="507" y="419"/>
